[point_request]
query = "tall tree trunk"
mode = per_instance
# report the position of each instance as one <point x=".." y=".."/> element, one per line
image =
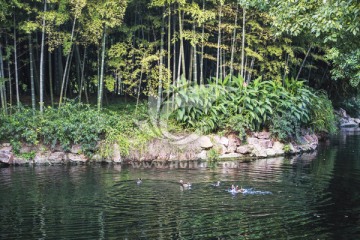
<point x="202" y="49"/>
<point x="101" y="81"/>
<point x="243" y="45"/>
<point x="9" y="77"/>
<point x="139" y="88"/>
<point x="32" y="81"/>
<point x="303" y="63"/>
<point x="68" y="72"/>
<point x="161" y="65"/>
<point x="218" y="46"/>
<point x="194" y="58"/>
<point x="2" y="84"/>
<point x="190" y="73"/>
<point x="233" y="43"/>
<point x="51" y="88"/>
<point x="16" y="68"/>
<point x="169" y="57"/>
<point x="82" y="73"/>
<point x="41" y="102"/>
<point x="182" y="52"/>
<point x="65" y="74"/>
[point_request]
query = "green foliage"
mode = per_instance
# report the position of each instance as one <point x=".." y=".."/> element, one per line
<point x="76" y="124"/>
<point x="287" y="148"/>
<point x="322" y="114"/>
<point x="285" y="127"/>
<point x="260" y="105"/>
<point x="28" y="156"/>
<point x="213" y="157"/>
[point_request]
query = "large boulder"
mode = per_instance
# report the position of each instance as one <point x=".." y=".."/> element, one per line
<point x="57" y="157"/>
<point x="259" y="151"/>
<point x="6" y="148"/>
<point x="6" y="157"/>
<point x="77" y="158"/>
<point x="20" y="161"/>
<point x="42" y="158"/>
<point x="278" y="147"/>
<point x="265" y="143"/>
<point x="245" y="149"/>
<point x="205" y="142"/>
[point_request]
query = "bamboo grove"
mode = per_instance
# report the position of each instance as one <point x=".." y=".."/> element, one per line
<point x="91" y="50"/>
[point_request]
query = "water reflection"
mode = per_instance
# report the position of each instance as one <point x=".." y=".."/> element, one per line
<point x="313" y="196"/>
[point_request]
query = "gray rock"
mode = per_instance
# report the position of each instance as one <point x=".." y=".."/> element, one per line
<point x="205" y="142"/>
<point x="77" y="158"/>
<point x="186" y="139"/>
<point x="224" y="141"/>
<point x="231" y="148"/>
<point x="270" y="152"/>
<point x="57" y="157"/>
<point x="6" y="145"/>
<point x="265" y="143"/>
<point x="202" y="155"/>
<point x="21" y="161"/>
<point x="259" y="151"/>
<point x="6" y="148"/>
<point x="98" y="158"/>
<point x="252" y="140"/>
<point x="42" y="158"/>
<point x="245" y="149"/>
<point x="278" y="147"/>
<point x="6" y="157"/>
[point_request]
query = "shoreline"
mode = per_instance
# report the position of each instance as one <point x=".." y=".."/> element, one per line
<point x="210" y="148"/>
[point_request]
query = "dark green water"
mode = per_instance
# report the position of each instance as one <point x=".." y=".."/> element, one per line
<point x="314" y="196"/>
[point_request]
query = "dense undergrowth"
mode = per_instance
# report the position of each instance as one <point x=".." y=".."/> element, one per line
<point x="233" y="105"/>
<point x="76" y="123"/>
<point x="229" y="106"/>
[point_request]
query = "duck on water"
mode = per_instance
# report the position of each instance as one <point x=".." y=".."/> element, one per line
<point x="185" y="185"/>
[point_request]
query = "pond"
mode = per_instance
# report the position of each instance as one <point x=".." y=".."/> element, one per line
<point x="313" y="196"/>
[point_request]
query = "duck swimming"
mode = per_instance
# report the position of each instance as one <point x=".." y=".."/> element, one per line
<point x="217" y="184"/>
<point x="139" y="181"/>
<point x="236" y="189"/>
<point x="185" y="185"/>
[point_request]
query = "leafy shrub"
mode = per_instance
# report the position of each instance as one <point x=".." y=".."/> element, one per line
<point x="286" y="127"/>
<point x="322" y="114"/>
<point x="261" y="104"/>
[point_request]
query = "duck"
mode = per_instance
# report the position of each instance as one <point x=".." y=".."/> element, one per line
<point x="139" y="181"/>
<point x="241" y="190"/>
<point x="185" y="185"/>
<point x="217" y="184"/>
<point x="236" y="189"/>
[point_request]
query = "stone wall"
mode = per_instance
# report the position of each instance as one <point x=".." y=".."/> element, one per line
<point x="191" y="147"/>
